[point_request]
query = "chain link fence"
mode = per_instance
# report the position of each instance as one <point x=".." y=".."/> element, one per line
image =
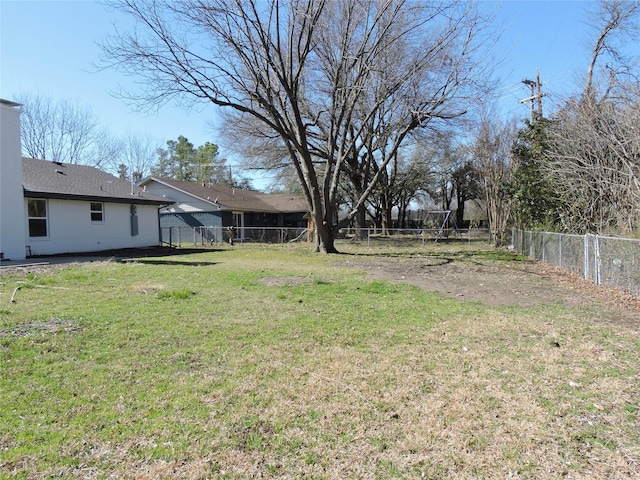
<point x="611" y="261"/>
<point x="198" y="236"/>
<point x="407" y="237"/>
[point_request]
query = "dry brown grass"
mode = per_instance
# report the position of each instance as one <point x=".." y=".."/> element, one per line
<point x="472" y="398"/>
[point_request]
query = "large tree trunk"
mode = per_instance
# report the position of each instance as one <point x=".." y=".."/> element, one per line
<point x="325" y="239"/>
<point x="361" y="222"/>
<point x="327" y="230"/>
<point x="387" y="220"/>
<point x="460" y="210"/>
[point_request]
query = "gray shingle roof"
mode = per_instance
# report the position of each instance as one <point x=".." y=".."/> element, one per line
<point x="239" y="200"/>
<point x="286" y="203"/>
<point x="43" y="178"/>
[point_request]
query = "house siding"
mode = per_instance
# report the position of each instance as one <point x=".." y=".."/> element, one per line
<point x="183" y="203"/>
<point x="12" y="210"/>
<point x="70" y="229"/>
<point x="287" y="220"/>
<point x="211" y="224"/>
<point x="196" y="219"/>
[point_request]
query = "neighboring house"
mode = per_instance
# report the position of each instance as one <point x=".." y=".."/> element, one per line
<point x="52" y="208"/>
<point x="475" y="212"/>
<point x="219" y="208"/>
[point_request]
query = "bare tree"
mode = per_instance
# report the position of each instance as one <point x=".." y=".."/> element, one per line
<point x="136" y="155"/>
<point x="63" y="131"/>
<point x="444" y="158"/>
<point x="616" y="22"/>
<point x="407" y="182"/>
<point x="387" y="87"/>
<point x="593" y="161"/>
<point x="594" y="142"/>
<point x="325" y="76"/>
<point x="259" y="150"/>
<point x="492" y="152"/>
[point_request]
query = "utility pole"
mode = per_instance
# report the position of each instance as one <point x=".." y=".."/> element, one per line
<point x="536" y="94"/>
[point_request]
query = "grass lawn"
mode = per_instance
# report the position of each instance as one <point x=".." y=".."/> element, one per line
<point x="194" y="366"/>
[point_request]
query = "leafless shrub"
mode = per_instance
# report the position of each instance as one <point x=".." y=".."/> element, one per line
<point x="594" y="159"/>
<point x="492" y="151"/>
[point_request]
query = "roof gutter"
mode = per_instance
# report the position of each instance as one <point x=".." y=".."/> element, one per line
<point x="91" y="198"/>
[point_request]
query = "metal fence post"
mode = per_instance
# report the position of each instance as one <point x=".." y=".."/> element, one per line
<point x="586" y="256"/>
<point x="560" y="250"/>
<point x="596" y="260"/>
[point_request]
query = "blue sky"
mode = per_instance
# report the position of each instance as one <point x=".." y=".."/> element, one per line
<point x="48" y="47"/>
<point x="550" y="36"/>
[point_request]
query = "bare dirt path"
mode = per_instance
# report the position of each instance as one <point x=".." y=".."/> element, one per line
<point x="502" y="283"/>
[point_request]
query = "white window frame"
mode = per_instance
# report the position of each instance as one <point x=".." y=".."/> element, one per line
<point x="45" y="218"/>
<point x="92" y="212"/>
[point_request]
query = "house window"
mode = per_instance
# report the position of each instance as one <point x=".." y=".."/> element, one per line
<point x="97" y="214"/>
<point x="37" y="216"/>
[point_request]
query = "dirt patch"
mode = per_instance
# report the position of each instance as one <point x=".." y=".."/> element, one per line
<point x="53" y="325"/>
<point x="501" y="283"/>
<point x="283" y="281"/>
<point x="26" y="269"/>
<point x="147" y="288"/>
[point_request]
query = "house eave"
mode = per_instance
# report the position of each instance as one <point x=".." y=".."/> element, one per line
<point x="95" y="198"/>
<point x="147" y="180"/>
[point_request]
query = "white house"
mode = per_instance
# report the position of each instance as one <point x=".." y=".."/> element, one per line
<point x="52" y="208"/>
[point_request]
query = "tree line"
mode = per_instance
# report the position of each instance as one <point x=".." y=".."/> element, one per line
<point x="371" y="108"/>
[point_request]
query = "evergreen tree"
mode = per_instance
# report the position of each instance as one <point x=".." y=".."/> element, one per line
<point x="536" y="204"/>
<point x="182" y="161"/>
<point x="176" y="160"/>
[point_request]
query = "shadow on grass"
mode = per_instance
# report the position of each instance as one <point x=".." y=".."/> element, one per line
<point x="163" y="256"/>
<point x="151" y="255"/>
<point x="155" y="261"/>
